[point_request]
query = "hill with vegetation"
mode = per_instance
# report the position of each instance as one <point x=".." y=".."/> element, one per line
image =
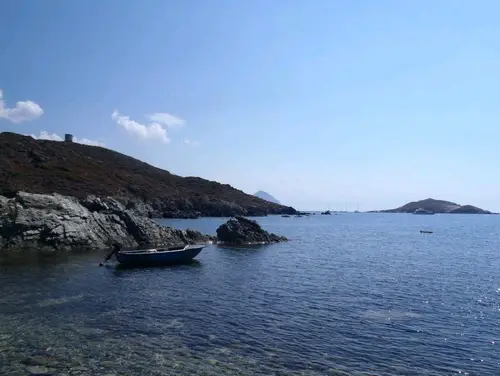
<point x="72" y="169"/>
<point x="437" y="206"/>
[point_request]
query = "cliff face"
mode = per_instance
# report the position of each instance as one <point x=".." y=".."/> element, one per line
<point x="55" y="223"/>
<point x="71" y="169"/>
<point x="437" y="206"/>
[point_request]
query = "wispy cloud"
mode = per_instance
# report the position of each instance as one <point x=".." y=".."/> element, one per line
<point x="86" y="141"/>
<point x="168" y="120"/>
<point x="44" y="135"/>
<point x="151" y="131"/>
<point x="190" y="142"/>
<point x="23" y="111"/>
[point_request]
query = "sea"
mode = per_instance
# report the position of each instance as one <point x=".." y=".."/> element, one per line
<point x="349" y="294"/>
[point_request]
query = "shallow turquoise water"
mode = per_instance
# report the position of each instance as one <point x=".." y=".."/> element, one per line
<point x="349" y="294"/>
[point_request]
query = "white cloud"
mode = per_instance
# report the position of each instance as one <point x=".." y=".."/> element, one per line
<point x="44" y="135"/>
<point x="86" y="141"/>
<point x="187" y="141"/>
<point x="152" y="131"/>
<point x="170" y="121"/>
<point x="23" y="111"/>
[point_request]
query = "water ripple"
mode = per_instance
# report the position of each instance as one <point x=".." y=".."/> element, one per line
<point x="349" y="295"/>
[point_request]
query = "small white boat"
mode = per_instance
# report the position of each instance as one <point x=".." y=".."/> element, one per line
<point x="423" y="211"/>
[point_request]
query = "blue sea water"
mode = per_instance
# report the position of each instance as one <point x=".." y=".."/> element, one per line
<point x="349" y="294"/>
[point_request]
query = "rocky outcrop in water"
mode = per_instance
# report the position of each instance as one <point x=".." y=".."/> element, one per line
<point x="437" y="206"/>
<point x="240" y="230"/>
<point x="55" y="222"/>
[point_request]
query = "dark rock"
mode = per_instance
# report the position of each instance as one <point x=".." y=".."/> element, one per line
<point x="103" y="205"/>
<point x="55" y="222"/>
<point x="181" y="214"/>
<point x="241" y="230"/>
<point x="299" y="213"/>
<point x="469" y="209"/>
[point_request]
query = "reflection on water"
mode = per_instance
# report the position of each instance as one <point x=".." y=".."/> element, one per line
<point x="121" y="267"/>
<point x="349" y="295"/>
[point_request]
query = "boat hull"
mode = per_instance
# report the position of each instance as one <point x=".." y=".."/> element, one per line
<point x="168" y="257"/>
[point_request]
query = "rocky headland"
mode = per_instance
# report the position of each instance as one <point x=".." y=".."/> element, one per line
<point x="76" y="170"/>
<point x="42" y="222"/>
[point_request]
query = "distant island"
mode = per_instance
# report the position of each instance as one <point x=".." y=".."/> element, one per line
<point x="76" y="170"/>
<point x="437" y="206"/>
<point x="266" y="196"/>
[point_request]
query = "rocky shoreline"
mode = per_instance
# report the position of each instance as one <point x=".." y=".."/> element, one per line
<point x="52" y="222"/>
<point x="61" y="223"/>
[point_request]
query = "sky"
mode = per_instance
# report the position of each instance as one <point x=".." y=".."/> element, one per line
<point x="323" y="104"/>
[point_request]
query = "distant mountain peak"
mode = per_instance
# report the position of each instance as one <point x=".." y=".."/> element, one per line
<point x="266" y="196"/>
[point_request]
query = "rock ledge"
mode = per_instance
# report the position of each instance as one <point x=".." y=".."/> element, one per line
<point x="55" y="222"/>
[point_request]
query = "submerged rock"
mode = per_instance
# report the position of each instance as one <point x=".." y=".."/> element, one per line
<point x="40" y="370"/>
<point x="240" y="230"/>
<point x="56" y="222"/>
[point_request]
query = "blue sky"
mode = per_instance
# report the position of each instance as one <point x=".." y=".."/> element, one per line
<point x="320" y="103"/>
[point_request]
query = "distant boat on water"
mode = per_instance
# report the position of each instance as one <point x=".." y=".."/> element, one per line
<point x="423" y="211"/>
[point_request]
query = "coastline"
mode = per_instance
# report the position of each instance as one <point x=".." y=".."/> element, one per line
<point x="30" y="221"/>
